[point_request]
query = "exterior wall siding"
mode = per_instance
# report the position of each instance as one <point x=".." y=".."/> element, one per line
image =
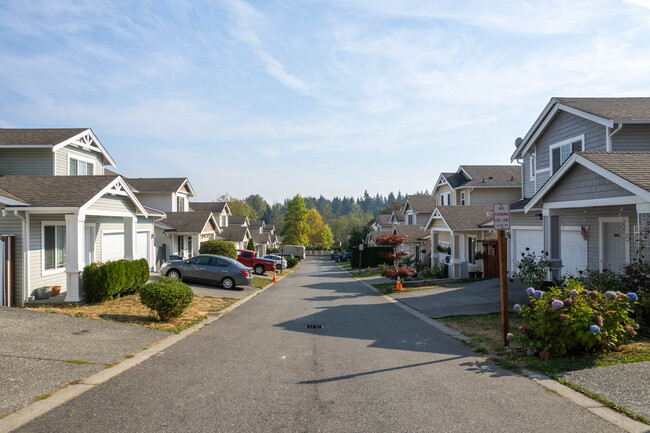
<point x="583" y="184"/>
<point x="489" y="196"/>
<point x="162" y="202"/>
<point x="10" y="225"/>
<point x="563" y="127"/>
<point x="36" y="277"/>
<point x="26" y="162"/>
<point x="113" y="204"/>
<point x="632" y="138"/>
<point x="62" y="160"/>
<point x="444" y="189"/>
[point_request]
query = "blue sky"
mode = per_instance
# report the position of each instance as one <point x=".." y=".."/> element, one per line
<point x="311" y="97"/>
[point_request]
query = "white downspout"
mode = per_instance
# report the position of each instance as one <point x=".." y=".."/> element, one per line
<point x="25" y="253"/>
<point x="608" y="140"/>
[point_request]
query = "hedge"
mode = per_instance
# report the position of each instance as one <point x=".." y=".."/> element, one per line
<point x="168" y="297"/>
<point x="370" y="256"/>
<point x="291" y="261"/>
<point x="219" y="247"/>
<point x="108" y="280"/>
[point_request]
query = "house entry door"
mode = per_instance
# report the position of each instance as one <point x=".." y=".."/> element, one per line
<point x="615" y="243"/>
<point x="490" y="259"/>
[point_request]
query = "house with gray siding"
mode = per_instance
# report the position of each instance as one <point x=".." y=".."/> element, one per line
<point x="64" y="211"/>
<point x="585" y="197"/>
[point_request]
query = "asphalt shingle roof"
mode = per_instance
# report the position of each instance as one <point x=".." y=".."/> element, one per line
<point x="615" y="109"/>
<point x="187" y="222"/>
<point x="234" y="233"/>
<point x="421" y="203"/>
<point x="261" y="238"/>
<point x="464" y="217"/>
<point x="383" y="219"/>
<point x="156" y="184"/>
<point x="237" y="219"/>
<point x="49" y="136"/>
<point x="493" y="175"/>
<point x="413" y="232"/>
<point x="54" y="191"/>
<point x="631" y="166"/>
<point x="212" y="206"/>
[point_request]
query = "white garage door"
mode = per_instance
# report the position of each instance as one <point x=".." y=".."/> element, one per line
<point x="112" y="246"/>
<point x="573" y="251"/>
<point x="533" y="239"/>
<point x="142" y="250"/>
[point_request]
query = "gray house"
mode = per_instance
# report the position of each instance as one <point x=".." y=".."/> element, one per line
<point x="586" y="194"/>
<point x="62" y="211"/>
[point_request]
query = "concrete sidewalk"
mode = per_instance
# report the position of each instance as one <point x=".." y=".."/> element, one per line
<point x="42" y="352"/>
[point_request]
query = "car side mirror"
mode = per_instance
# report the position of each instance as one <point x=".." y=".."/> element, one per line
<point x="187" y="262"/>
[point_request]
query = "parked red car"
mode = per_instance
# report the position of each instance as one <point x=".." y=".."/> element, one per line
<point x="247" y="258"/>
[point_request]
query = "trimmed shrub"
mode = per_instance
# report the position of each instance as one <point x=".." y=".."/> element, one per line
<point x="291" y="261"/>
<point x="168" y="297"/>
<point x="219" y="247"/>
<point x="102" y="282"/>
<point x="436" y="272"/>
<point x="571" y="320"/>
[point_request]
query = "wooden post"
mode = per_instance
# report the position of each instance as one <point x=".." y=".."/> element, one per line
<point x="503" y="273"/>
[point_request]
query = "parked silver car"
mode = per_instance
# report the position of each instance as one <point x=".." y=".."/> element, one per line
<point x="209" y="268"/>
<point x="280" y="262"/>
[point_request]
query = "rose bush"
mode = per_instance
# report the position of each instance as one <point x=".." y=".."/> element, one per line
<point x="531" y="269"/>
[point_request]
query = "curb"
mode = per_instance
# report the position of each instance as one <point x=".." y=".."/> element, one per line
<point x="610" y="415"/>
<point x="27" y="413"/>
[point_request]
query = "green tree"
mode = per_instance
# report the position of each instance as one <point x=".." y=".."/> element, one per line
<point x="325" y="239"/>
<point x="251" y="245"/>
<point x="296" y="229"/>
<point x="315" y="223"/>
<point x="239" y="207"/>
<point x="258" y="204"/>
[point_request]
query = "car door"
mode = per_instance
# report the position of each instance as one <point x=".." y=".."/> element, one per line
<point x="196" y="268"/>
<point x="219" y="269"/>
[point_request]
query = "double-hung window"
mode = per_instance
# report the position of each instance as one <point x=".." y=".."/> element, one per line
<point x="560" y="152"/>
<point x="445" y="199"/>
<point x="53" y="246"/>
<point x="79" y="167"/>
<point x="533" y="166"/>
<point x="180" y="203"/>
<point x="462" y="199"/>
<point x="410" y="219"/>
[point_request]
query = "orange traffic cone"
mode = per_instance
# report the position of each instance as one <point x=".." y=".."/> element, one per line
<point x="399" y="284"/>
<point x="275" y="279"/>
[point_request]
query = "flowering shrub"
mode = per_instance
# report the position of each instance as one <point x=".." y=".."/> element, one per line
<point x="531" y="269"/>
<point x="402" y="272"/>
<point x="636" y="277"/>
<point x="569" y="319"/>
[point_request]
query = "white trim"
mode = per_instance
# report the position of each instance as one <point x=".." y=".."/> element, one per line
<point x="464" y="171"/>
<point x="532" y="167"/>
<point x="93" y="241"/>
<point x="585" y="115"/>
<point x="42" y="209"/>
<point x="615" y="201"/>
<point x="108" y="213"/>
<point x="526" y="227"/>
<point x="119" y="185"/>
<point x="79" y="157"/>
<point x="78" y="140"/>
<point x="25" y="146"/>
<point x="10" y="202"/>
<point x="601" y="245"/>
<point x="561" y="144"/>
<point x="543" y="170"/>
<point x="56" y="270"/>
<point x="570" y="228"/>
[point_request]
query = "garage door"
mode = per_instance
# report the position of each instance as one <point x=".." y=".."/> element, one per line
<point x="573" y="251"/>
<point x="532" y="239"/>
<point x="112" y="246"/>
<point x="142" y="249"/>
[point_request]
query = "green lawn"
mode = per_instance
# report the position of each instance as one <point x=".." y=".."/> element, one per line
<point x="260" y="283"/>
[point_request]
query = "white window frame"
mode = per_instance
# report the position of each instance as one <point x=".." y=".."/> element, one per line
<point x="462" y="198"/>
<point x="442" y="199"/>
<point x="84" y="159"/>
<point x="533" y="166"/>
<point x="580" y="138"/>
<point x="46" y="272"/>
<point x="180" y="197"/>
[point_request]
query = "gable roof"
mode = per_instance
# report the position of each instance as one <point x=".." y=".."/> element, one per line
<point x="212" y="206"/>
<point x="188" y="222"/>
<point x="605" y="111"/>
<point x="53" y="138"/>
<point x="261" y="238"/>
<point x="492" y="175"/>
<point x="160" y="184"/>
<point x="462" y="217"/>
<point x="414" y="233"/>
<point x="235" y="233"/>
<point x="257" y="224"/>
<point x="383" y="219"/>
<point x="628" y="170"/>
<point x="420" y="203"/>
<point x="238" y="220"/>
<point x="63" y="192"/>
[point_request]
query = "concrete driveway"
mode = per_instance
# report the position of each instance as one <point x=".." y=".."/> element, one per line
<point x="42" y="352"/>
<point x="478" y="297"/>
<point x="214" y="290"/>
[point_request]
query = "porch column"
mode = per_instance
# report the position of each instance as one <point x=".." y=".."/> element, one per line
<point x="74" y="247"/>
<point x="434" y="248"/>
<point x="130" y="237"/>
<point x="452" y="262"/>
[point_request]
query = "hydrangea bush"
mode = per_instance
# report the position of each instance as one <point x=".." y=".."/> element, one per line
<point x="569" y="319"/>
<point x="531" y="269"/>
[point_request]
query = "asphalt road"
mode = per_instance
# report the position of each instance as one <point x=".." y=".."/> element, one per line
<point x="372" y="367"/>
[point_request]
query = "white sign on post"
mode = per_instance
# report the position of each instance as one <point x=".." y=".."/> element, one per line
<point x="501" y="213"/>
<point x="360" y="247"/>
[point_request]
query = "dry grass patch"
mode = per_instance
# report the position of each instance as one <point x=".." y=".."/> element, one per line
<point x="131" y="311"/>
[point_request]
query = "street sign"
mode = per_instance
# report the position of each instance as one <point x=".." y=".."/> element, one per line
<point x="360" y="247"/>
<point x="501" y="214"/>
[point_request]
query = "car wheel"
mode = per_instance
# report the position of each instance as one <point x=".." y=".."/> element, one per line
<point x="259" y="269"/>
<point x="173" y="273"/>
<point x="228" y="283"/>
